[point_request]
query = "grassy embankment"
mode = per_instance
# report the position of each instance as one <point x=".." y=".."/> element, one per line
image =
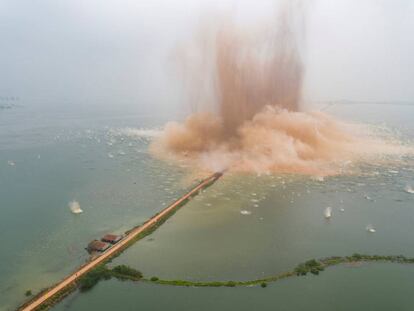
<point x="312" y="266"/>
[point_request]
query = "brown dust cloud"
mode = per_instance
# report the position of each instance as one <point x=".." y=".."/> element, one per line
<point x="245" y="86"/>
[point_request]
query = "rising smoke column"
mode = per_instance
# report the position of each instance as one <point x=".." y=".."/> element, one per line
<point x="262" y="69"/>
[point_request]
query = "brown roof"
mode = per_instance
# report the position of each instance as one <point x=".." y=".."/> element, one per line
<point x="96" y="245"/>
<point x="111" y="238"/>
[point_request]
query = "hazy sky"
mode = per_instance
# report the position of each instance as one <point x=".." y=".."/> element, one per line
<point x="118" y="52"/>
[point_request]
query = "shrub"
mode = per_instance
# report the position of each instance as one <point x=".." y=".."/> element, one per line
<point x="154" y="279"/>
<point x="93" y="277"/>
<point x="314" y="271"/>
<point x="312" y="263"/>
<point x="127" y="271"/>
<point x="311" y="266"/>
<point x="28" y="293"/>
<point x="264" y="284"/>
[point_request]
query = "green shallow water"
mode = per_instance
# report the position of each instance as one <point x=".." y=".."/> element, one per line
<point x="60" y="158"/>
<point x="380" y="287"/>
<point x="210" y="238"/>
<point x="241" y="228"/>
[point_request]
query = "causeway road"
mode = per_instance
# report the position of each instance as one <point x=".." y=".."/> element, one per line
<point x="115" y="248"/>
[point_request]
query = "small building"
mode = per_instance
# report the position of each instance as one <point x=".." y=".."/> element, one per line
<point x="97" y="246"/>
<point x="111" y="238"/>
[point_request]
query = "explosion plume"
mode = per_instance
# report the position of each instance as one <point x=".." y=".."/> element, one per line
<point x="247" y="86"/>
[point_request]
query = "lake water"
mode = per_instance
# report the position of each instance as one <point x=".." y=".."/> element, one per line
<point x="48" y="159"/>
<point x="243" y="227"/>
<point x="380" y="287"/>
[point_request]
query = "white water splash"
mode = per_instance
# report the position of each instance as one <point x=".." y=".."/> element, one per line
<point x="328" y="212"/>
<point x="245" y="212"/>
<point x="74" y="207"/>
<point x="409" y="189"/>
<point x="370" y="228"/>
<point x="136" y="132"/>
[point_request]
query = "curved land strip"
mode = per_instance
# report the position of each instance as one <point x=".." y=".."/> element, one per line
<point x="311" y="266"/>
<point x="122" y="272"/>
<point x="60" y="290"/>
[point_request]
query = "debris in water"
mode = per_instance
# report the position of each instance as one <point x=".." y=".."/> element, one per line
<point x="11" y="163"/>
<point x="245" y="212"/>
<point x="409" y="189"/>
<point x="110" y="155"/>
<point x="75" y="207"/>
<point x="318" y="178"/>
<point x="342" y="210"/>
<point x="371" y="229"/>
<point x="328" y="212"/>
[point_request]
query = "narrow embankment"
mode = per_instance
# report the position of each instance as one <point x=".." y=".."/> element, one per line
<point x="313" y="266"/>
<point x="41" y="301"/>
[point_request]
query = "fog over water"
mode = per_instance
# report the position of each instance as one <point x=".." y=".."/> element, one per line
<point x="93" y="53"/>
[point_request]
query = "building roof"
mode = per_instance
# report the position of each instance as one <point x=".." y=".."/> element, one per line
<point x="111" y="238"/>
<point x="99" y="246"/>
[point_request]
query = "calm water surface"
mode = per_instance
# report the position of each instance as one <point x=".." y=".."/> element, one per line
<point x="241" y="228"/>
<point x="48" y="159"/>
<point x="381" y="287"/>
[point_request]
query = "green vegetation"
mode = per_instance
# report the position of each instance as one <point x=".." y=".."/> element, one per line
<point x="28" y="293"/>
<point x="93" y="277"/>
<point x="126" y="272"/>
<point x="123" y="272"/>
<point x="101" y="272"/>
<point x="313" y="266"/>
